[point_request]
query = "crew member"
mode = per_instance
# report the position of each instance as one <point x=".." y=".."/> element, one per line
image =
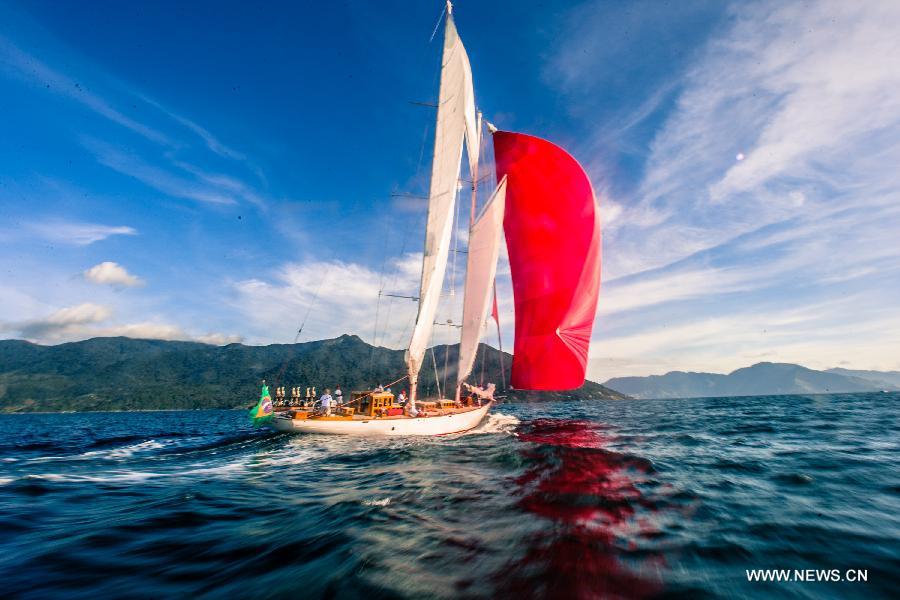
<point x="325" y="401"/>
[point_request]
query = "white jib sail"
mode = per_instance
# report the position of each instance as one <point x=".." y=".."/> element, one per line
<point x="455" y="122"/>
<point x="481" y="268"/>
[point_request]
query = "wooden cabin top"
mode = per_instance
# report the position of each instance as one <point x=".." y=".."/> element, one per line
<point x="375" y="403"/>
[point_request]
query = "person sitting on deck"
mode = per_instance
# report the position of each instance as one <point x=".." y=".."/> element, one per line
<point x="401" y="399"/>
<point x="379" y="389"/>
<point x="325" y="400"/>
<point x="338" y="396"/>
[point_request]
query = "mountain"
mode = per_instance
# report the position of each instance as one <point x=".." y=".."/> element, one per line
<point x="761" y="379"/>
<point x="131" y="374"/>
<point x="885" y="379"/>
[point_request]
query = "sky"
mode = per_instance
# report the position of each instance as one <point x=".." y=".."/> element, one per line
<point x="223" y="172"/>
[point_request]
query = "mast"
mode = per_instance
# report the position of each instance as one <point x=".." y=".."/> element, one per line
<point x="473" y="171"/>
<point x="455" y="123"/>
<point x="473" y="167"/>
<point x="481" y="268"/>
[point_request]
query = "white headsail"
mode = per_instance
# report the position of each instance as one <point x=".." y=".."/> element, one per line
<point x="484" y="249"/>
<point x="455" y="122"/>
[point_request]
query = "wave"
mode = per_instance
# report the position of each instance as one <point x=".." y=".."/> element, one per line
<point x="124" y="453"/>
<point x="379" y="502"/>
<point x="496" y="423"/>
<point x="593" y="499"/>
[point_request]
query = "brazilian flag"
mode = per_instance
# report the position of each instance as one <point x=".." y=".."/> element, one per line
<point x="262" y="412"/>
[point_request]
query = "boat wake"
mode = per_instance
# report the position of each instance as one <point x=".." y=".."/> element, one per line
<point x="496" y="423"/>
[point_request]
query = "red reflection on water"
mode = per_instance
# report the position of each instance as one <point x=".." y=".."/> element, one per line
<point x="590" y="495"/>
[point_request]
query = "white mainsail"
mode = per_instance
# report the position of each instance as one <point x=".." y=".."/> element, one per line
<point x="481" y="268"/>
<point x="456" y="122"/>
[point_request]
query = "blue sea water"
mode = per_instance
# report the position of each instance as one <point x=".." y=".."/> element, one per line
<point x="602" y="499"/>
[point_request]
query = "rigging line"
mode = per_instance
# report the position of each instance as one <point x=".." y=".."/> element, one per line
<point x="378" y="306"/>
<point x="357" y="399"/>
<point x="455" y="242"/>
<point x="425" y="130"/>
<point x="309" y="308"/>
<point x="483" y="359"/>
<point x="406" y="329"/>
<point x="446" y="361"/>
<point x="403" y="243"/>
<point x="499" y="339"/>
<point x="438" y="24"/>
<point x="434" y="79"/>
<point x="375" y="333"/>
<point x="437" y="381"/>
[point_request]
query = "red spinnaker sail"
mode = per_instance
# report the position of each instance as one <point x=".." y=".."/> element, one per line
<point x="552" y="231"/>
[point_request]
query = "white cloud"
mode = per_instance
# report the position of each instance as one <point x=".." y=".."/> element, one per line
<point x="65" y="320"/>
<point x="808" y="92"/>
<point x="110" y="273"/>
<point x="819" y="336"/>
<point x="709" y="250"/>
<point x="338" y="298"/>
<point x="89" y="320"/>
<point x="341" y="297"/>
<point x="78" y="234"/>
<point x="218" y="339"/>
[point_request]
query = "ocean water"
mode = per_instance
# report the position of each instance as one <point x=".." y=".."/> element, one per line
<point x="638" y="499"/>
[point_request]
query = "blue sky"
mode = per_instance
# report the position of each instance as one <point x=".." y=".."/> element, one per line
<point x="202" y="170"/>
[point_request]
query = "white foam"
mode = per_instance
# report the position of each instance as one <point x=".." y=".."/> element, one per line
<point x="124" y="452"/>
<point x="381" y="502"/>
<point x="111" y="454"/>
<point x="112" y="477"/>
<point x="497" y="423"/>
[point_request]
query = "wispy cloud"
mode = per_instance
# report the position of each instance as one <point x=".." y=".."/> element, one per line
<point x="158" y="178"/>
<point x="164" y="170"/>
<point x="23" y="65"/>
<point x="77" y="233"/>
<point x="770" y="187"/>
<point x="805" y="93"/>
<point x="212" y="142"/>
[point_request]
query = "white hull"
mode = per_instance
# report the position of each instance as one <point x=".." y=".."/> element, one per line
<point x="433" y="425"/>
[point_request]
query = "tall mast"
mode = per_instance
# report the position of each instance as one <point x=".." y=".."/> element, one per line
<point x="481" y="268"/>
<point x="475" y="173"/>
<point x="473" y="164"/>
<point x="455" y="124"/>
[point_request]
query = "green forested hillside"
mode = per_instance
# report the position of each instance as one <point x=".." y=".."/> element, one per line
<point x="127" y="374"/>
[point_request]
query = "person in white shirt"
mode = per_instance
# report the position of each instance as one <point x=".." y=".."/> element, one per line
<point x="325" y="400"/>
<point x="338" y="396"/>
<point x="401" y="399"/>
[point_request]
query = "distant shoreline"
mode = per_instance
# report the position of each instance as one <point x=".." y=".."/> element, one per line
<point x="736" y="398"/>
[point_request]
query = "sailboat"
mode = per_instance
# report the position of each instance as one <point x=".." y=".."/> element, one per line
<point x="545" y="205"/>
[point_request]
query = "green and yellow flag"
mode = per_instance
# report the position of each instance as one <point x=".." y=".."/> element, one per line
<point x="262" y="412"/>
